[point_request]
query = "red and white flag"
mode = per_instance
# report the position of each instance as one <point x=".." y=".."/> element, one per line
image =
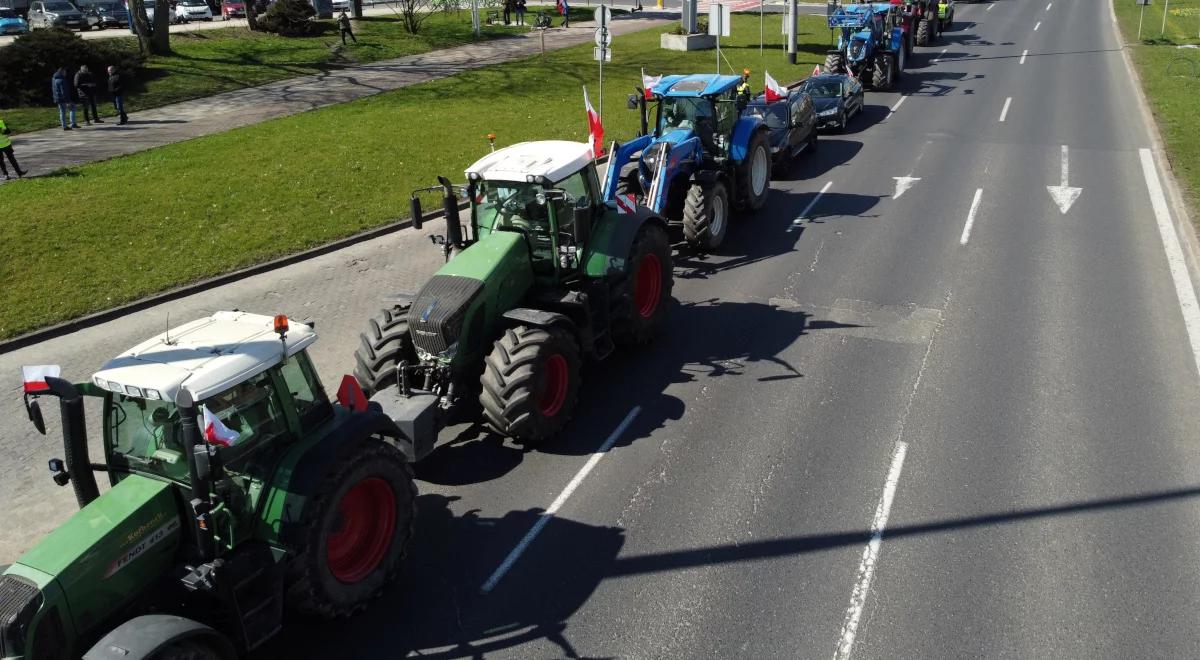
<point x="595" y="130"/>
<point x="35" y="377"/>
<point x="817" y="70"/>
<point x="217" y="433"/>
<point x="775" y="91"/>
<point x="648" y="83"/>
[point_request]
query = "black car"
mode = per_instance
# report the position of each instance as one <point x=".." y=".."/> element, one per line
<point x="106" y="14"/>
<point x="791" y="122"/>
<point x="837" y="98"/>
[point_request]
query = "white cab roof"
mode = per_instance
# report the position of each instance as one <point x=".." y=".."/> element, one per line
<point x="207" y="356"/>
<point x="553" y="159"/>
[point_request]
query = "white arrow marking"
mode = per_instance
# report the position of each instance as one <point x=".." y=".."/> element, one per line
<point x="1064" y="195"/>
<point x="903" y="183"/>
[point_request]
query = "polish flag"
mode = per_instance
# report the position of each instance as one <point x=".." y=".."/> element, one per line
<point x="595" y="130"/>
<point x="35" y="377"/>
<point x="217" y="433"/>
<point x="817" y="70"/>
<point x="775" y="92"/>
<point x="648" y="83"/>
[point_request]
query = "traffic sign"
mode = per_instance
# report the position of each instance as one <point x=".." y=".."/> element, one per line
<point x="603" y="37"/>
<point x="718" y="20"/>
<point x="602" y="54"/>
<point x="602" y="15"/>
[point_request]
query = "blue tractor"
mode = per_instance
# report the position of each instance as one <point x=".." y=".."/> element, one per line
<point x="701" y="159"/>
<point x="873" y="43"/>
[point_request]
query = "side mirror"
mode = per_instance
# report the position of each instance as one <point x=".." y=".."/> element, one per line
<point x="415" y="203"/>
<point x="583" y="225"/>
<point x="35" y="416"/>
<point x="632" y="102"/>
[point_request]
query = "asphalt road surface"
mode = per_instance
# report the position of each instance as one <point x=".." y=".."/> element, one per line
<point x="949" y="422"/>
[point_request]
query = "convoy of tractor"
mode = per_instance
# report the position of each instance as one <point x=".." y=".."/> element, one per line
<point x="239" y="490"/>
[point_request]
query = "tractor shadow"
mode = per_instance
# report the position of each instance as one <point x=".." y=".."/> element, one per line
<point x="937" y="83"/>
<point x="870" y="115"/>
<point x="435" y="609"/>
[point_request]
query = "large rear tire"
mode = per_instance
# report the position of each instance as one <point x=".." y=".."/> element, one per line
<point x="834" y="63"/>
<point x="357" y="524"/>
<point x="530" y="383"/>
<point x="706" y="215"/>
<point x="188" y="649"/>
<point x="385" y="343"/>
<point x="881" y="66"/>
<point x="641" y="297"/>
<point x="923" y="32"/>
<point x="756" y="172"/>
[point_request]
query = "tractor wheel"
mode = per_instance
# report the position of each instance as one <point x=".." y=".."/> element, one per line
<point x="356" y="525"/>
<point x="923" y="32"/>
<point x="756" y="172"/>
<point x="706" y="215"/>
<point x="640" y="298"/>
<point x="834" y="63"/>
<point x="385" y="344"/>
<point x="188" y="649"/>
<point x="530" y="383"/>
<point x="899" y="63"/>
<point x="882" y="71"/>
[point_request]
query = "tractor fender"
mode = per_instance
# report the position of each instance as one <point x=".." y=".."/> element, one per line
<point x="612" y="238"/>
<point x="144" y="636"/>
<point x="400" y="299"/>
<point x="743" y="131"/>
<point x="537" y="317"/>
<point x="618" y="159"/>
<point x="897" y="39"/>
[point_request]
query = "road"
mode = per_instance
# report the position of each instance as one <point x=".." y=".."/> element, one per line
<point x="951" y="422"/>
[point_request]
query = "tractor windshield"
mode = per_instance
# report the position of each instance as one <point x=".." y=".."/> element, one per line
<point x="512" y="206"/>
<point x="683" y="112"/>
<point x="145" y="436"/>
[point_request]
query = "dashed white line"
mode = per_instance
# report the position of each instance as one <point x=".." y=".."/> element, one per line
<point x="1004" y="111"/>
<point x="898" y="103"/>
<point x="1023" y="54"/>
<point x="804" y="214"/>
<point x="513" y="556"/>
<point x="866" y="567"/>
<point x="1184" y="290"/>
<point x="1039" y="24"/>
<point x="939" y="57"/>
<point x="1049" y="6"/>
<point x="966" y="235"/>
<point x="989" y="8"/>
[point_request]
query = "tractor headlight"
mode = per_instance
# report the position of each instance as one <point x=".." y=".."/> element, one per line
<point x="152" y="394"/>
<point x="133" y="391"/>
<point x="100" y="382"/>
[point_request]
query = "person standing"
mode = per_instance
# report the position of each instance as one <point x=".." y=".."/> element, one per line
<point x="117" y="89"/>
<point x="7" y="150"/>
<point x="508" y="7"/>
<point x="85" y="88"/>
<point x="565" y="10"/>
<point x="344" y="27"/>
<point x="60" y="89"/>
<point x="520" y="12"/>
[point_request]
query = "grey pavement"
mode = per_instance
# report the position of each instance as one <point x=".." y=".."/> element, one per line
<point x="42" y="152"/>
<point x="1026" y="393"/>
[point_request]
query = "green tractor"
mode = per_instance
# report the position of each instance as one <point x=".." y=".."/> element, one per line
<point x="237" y="487"/>
<point x="549" y="275"/>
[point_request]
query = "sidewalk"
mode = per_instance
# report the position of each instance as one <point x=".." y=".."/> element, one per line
<point x="43" y="152"/>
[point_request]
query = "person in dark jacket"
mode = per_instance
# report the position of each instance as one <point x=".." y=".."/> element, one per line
<point x="520" y="4"/>
<point x="344" y="27"/>
<point x="64" y="98"/>
<point x="117" y="90"/>
<point x="85" y="88"/>
<point x="6" y="150"/>
<point x="508" y="8"/>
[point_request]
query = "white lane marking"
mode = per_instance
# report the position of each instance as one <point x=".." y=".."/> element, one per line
<point x="804" y="214"/>
<point x="866" y="567"/>
<point x="903" y="183"/>
<point x="990" y="7"/>
<point x="1064" y="196"/>
<point x="1049" y="6"/>
<point x="512" y="557"/>
<point x="898" y="104"/>
<point x="1179" y="272"/>
<point x="1004" y="111"/>
<point x="966" y="235"/>
<point x="1039" y="24"/>
<point x="1023" y="54"/>
<point x="939" y="57"/>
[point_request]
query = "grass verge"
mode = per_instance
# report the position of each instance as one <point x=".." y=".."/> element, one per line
<point x="98" y="235"/>
<point x="1170" y="76"/>
<point x="207" y="62"/>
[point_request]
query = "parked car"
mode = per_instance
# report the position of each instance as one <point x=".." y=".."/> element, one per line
<point x="106" y="14"/>
<point x="56" y="13"/>
<point x="193" y="10"/>
<point x="836" y="98"/>
<point x="12" y="23"/>
<point x="231" y="9"/>
<point x="791" y="124"/>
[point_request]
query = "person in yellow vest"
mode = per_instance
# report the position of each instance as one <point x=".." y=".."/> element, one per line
<point x="743" y="90"/>
<point x="7" y="150"/>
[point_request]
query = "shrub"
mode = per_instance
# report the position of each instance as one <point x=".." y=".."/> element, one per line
<point x="27" y="64"/>
<point x="290" y="18"/>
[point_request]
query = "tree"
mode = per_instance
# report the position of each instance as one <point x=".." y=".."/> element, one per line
<point x="141" y="26"/>
<point x="252" y="16"/>
<point x="152" y="39"/>
<point x="357" y="8"/>
<point x="413" y="13"/>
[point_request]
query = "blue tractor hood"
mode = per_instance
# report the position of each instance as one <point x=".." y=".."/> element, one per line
<point x="675" y="136"/>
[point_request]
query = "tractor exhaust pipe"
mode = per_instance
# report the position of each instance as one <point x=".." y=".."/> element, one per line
<point x="450" y="208"/>
<point x="199" y="473"/>
<point x="75" y="441"/>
